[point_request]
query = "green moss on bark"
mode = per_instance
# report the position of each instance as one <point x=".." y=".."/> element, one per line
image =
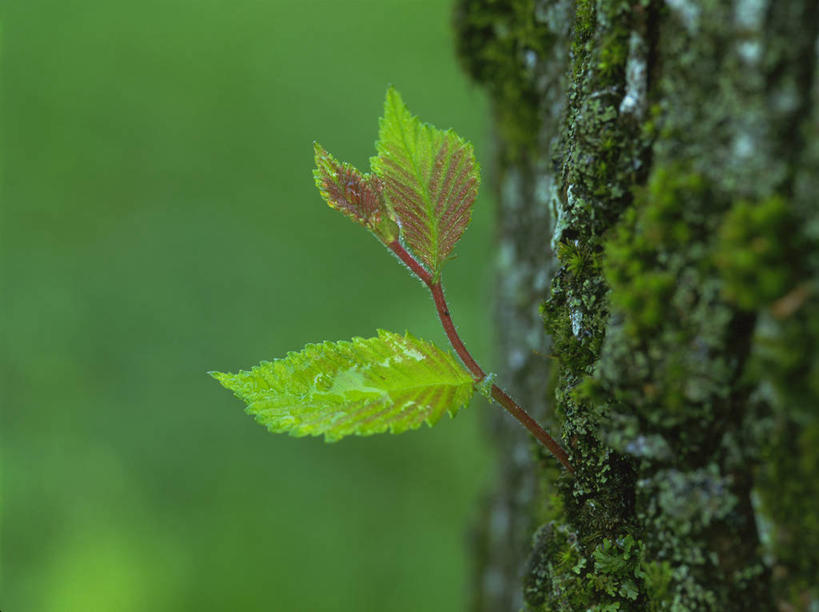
<point x="498" y="44"/>
<point x="683" y="306"/>
<point x="756" y="264"/>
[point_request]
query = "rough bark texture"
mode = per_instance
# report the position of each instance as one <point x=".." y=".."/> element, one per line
<point x="657" y="168"/>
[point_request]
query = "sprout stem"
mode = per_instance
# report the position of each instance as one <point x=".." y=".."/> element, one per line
<point x="498" y="394"/>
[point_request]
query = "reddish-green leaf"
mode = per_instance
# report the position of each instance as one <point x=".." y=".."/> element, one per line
<point x="430" y="178"/>
<point x="357" y="195"/>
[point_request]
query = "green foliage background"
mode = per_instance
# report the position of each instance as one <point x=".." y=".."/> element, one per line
<point x="159" y="220"/>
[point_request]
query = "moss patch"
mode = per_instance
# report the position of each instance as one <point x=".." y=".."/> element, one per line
<point x="759" y="252"/>
<point x="498" y="44"/>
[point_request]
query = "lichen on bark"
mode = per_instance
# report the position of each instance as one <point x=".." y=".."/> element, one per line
<point x="669" y="155"/>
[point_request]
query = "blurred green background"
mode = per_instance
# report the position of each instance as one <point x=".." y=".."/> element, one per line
<point x="159" y="220"/>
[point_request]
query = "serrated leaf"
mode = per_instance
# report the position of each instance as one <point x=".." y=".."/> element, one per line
<point x="430" y="179"/>
<point x="357" y="195"/>
<point x="389" y="383"/>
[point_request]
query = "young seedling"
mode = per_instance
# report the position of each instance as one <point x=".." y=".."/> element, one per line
<point x="417" y="202"/>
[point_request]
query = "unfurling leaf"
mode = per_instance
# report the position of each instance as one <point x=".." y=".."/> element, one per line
<point x="366" y="386"/>
<point x="355" y="194"/>
<point x="430" y="179"/>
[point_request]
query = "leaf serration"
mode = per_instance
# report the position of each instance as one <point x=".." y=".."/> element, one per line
<point x="365" y="386"/>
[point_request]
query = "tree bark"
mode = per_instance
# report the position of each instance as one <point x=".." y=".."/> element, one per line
<point x="657" y="172"/>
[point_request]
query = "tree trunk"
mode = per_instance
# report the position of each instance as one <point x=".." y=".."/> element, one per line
<point x="657" y="168"/>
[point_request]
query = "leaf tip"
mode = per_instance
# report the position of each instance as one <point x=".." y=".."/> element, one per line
<point x="392" y="92"/>
<point x="394" y="108"/>
<point x="221" y="377"/>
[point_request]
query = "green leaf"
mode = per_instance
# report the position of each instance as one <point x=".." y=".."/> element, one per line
<point x="430" y="178"/>
<point x="366" y="386"/>
<point x="357" y="195"/>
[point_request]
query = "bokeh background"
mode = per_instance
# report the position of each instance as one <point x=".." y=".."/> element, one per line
<point x="159" y="220"/>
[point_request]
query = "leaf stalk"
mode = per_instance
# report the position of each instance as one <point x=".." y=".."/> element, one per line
<point x="499" y="395"/>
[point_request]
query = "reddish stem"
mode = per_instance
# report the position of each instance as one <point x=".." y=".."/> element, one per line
<point x="498" y="394"/>
<point x="417" y="269"/>
<point x="529" y="423"/>
<point x="446" y="320"/>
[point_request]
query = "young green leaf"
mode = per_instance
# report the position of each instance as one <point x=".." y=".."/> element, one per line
<point x="357" y="195"/>
<point x="366" y="386"/>
<point x="430" y="178"/>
